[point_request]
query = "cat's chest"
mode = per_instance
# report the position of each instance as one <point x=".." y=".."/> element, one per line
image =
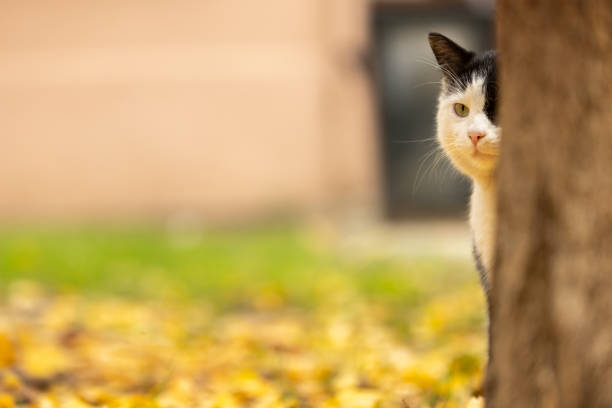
<point x="483" y="214"/>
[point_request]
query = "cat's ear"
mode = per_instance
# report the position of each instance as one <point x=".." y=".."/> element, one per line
<point x="451" y="57"/>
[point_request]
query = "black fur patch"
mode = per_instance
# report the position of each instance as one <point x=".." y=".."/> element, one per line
<point x="482" y="272"/>
<point x="486" y="285"/>
<point x="486" y="66"/>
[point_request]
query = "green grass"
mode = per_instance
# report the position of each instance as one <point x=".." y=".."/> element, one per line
<point x="230" y="268"/>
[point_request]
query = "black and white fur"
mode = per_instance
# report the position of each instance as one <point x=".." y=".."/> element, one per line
<point x="470" y="79"/>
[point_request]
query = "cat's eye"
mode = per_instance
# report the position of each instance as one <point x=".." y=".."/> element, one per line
<point x="461" y="110"/>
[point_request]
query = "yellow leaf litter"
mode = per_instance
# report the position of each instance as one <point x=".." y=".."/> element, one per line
<point x="75" y="351"/>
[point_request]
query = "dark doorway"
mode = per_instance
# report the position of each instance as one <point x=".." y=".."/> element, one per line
<point x="416" y="181"/>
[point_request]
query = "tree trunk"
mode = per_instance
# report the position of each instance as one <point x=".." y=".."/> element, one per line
<point x="552" y="285"/>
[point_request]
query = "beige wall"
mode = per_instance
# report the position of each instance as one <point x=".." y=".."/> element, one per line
<point x="222" y="108"/>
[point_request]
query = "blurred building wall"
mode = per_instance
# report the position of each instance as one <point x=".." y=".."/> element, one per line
<point x="221" y="108"/>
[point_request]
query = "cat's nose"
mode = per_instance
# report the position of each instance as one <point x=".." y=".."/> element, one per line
<point x="475" y="136"/>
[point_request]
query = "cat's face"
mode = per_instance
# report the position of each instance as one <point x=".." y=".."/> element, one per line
<point x="466" y="120"/>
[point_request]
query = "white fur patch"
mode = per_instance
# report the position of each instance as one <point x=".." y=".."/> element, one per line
<point x="453" y="131"/>
<point x="477" y="162"/>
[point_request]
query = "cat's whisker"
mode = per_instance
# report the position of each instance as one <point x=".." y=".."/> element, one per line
<point x="431" y="62"/>
<point x="426" y="83"/>
<point x="436" y="165"/>
<point x="434" y="64"/>
<point x="451" y="74"/>
<point x="420" y="167"/>
<point x="429" y="139"/>
<point x="445" y="71"/>
<point x="422" y="172"/>
<point x="447" y="170"/>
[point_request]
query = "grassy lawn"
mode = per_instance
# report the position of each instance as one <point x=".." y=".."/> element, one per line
<point x="269" y="316"/>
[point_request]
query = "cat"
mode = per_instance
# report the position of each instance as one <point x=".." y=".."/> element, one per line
<point x="469" y="134"/>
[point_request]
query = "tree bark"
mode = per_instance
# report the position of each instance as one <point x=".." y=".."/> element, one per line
<point x="552" y="285"/>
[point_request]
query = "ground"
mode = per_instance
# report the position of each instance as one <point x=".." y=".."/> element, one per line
<point x="270" y="316"/>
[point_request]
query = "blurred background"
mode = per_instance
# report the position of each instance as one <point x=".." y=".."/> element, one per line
<point x="247" y="159"/>
<point x="225" y="110"/>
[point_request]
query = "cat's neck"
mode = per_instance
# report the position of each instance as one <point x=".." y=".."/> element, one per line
<point x="483" y="218"/>
<point x="485" y="183"/>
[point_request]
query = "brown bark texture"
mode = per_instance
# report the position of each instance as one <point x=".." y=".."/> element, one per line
<point x="552" y="285"/>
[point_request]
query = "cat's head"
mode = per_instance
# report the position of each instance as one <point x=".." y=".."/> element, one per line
<point x="467" y="107"/>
